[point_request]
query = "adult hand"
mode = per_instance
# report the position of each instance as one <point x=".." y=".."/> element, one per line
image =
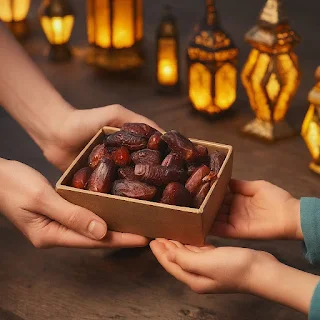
<point x="46" y="219"/>
<point x="258" y="210"/>
<point x="79" y="127"/>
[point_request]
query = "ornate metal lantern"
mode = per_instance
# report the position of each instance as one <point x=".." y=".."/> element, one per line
<point x="115" y="32"/>
<point x="311" y="125"/>
<point x="212" y="72"/>
<point x="271" y="74"/>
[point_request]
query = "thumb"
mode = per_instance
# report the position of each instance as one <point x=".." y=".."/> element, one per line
<point x="73" y="217"/>
<point x="246" y="188"/>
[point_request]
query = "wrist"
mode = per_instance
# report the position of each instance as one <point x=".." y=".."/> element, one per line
<point x="294" y="221"/>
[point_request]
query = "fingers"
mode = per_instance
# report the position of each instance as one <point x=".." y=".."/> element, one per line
<point x="246" y="188"/>
<point x="71" y="216"/>
<point x="56" y="235"/>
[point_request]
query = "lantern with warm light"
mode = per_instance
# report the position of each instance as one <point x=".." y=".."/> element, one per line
<point x="311" y="125"/>
<point x="14" y="14"/>
<point x="167" y="54"/>
<point x="212" y="57"/>
<point x="271" y="75"/>
<point x="57" y="19"/>
<point x="115" y="32"/>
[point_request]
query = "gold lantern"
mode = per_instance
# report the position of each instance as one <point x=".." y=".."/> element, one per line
<point x="115" y="32"/>
<point x="167" y="62"/>
<point x="212" y="72"/>
<point x="14" y="14"/>
<point x="57" y="19"/>
<point x="271" y="74"/>
<point x="311" y="125"/>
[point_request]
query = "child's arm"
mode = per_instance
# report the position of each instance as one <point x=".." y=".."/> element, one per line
<point x="230" y="270"/>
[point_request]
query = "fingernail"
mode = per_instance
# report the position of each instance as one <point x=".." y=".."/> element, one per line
<point x="97" y="229"/>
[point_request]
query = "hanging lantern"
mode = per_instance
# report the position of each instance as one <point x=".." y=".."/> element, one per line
<point x="167" y="54"/>
<point x="57" y="19"/>
<point x="14" y="14"/>
<point x="311" y="125"/>
<point x="115" y="32"/>
<point x="212" y="73"/>
<point x="271" y="75"/>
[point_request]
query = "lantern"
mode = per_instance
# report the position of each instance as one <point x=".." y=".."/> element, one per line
<point x="212" y="73"/>
<point x="14" y="13"/>
<point x="271" y="75"/>
<point x="167" y="54"/>
<point x="311" y="125"/>
<point x="57" y="19"/>
<point x="115" y="32"/>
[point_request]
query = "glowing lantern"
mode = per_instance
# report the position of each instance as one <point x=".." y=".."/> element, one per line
<point x="115" y="31"/>
<point x="14" y="13"/>
<point x="271" y="75"/>
<point x="311" y="125"/>
<point x="57" y="19"/>
<point x="212" y="56"/>
<point x="168" y="54"/>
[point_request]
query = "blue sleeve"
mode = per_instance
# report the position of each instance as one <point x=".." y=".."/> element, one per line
<point x="310" y="225"/>
<point x="314" y="312"/>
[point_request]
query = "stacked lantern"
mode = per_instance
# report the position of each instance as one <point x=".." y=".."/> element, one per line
<point x="57" y="19"/>
<point x="14" y="13"/>
<point x="167" y="64"/>
<point x="311" y="125"/>
<point x="271" y="75"/>
<point x="212" y="73"/>
<point x="115" y="32"/>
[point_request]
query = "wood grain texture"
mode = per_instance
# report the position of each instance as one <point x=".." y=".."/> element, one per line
<point x="69" y="284"/>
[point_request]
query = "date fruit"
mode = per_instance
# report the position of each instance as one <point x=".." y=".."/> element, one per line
<point x="211" y="177"/>
<point x="98" y="153"/>
<point x="216" y="161"/>
<point x="134" y="189"/>
<point x="181" y="145"/>
<point x="176" y="194"/>
<point x="156" y="143"/>
<point x="102" y="177"/>
<point x="127" y="173"/>
<point x="125" y="139"/>
<point x="121" y="157"/>
<point x="81" y="177"/>
<point x="201" y="195"/>
<point x="195" y="181"/>
<point x="173" y="159"/>
<point x="158" y="175"/>
<point x="138" y="129"/>
<point x="146" y="156"/>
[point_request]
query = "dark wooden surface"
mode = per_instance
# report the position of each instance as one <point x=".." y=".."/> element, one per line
<point x="129" y="284"/>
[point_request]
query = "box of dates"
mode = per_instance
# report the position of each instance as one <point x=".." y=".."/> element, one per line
<point x="149" y="183"/>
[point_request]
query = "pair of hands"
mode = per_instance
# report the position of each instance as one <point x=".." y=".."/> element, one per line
<point x="251" y="210"/>
<point x="46" y="219"/>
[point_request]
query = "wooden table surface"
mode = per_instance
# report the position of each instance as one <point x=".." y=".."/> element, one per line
<point x="130" y="284"/>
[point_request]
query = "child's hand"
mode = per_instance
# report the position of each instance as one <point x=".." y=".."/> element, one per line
<point x="258" y="210"/>
<point x="210" y="269"/>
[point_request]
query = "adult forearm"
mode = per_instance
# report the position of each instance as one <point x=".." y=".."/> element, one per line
<point x="288" y="286"/>
<point x="26" y="94"/>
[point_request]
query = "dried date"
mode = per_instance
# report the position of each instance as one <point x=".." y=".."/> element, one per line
<point x="121" y="157"/>
<point x="201" y="195"/>
<point x="195" y="181"/>
<point x="211" y="177"/>
<point x="173" y="159"/>
<point x="81" y="177"/>
<point x="125" y="139"/>
<point x="156" y="143"/>
<point x="146" y="156"/>
<point x="176" y="194"/>
<point x="159" y="175"/>
<point x="138" y="129"/>
<point x="127" y="173"/>
<point x="98" y="153"/>
<point x="181" y="145"/>
<point x="216" y="161"/>
<point x="133" y="189"/>
<point x="102" y="177"/>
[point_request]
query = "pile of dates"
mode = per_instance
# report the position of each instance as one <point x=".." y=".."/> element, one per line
<point x="140" y="162"/>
